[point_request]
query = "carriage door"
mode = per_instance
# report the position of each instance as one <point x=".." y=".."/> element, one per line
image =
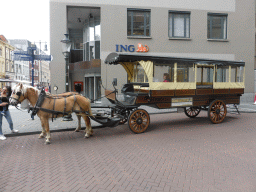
<point x="204" y="77"/>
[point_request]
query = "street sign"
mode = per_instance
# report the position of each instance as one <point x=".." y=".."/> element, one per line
<point x="43" y="57"/>
<point x="20" y="53"/>
<point x="22" y="58"/>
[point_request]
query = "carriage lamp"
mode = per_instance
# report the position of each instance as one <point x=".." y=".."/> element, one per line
<point x="66" y="45"/>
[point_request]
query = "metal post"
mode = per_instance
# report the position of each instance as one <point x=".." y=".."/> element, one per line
<point x="32" y="68"/>
<point x="67" y="73"/>
<point x="40" y="64"/>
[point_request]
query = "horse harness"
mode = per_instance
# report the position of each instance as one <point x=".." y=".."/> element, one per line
<point x="54" y="113"/>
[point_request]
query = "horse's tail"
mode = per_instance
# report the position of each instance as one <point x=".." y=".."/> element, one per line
<point x="90" y="110"/>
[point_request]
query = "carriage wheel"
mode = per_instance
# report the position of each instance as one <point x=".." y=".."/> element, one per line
<point x="139" y="121"/>
<point x="192" y="111"/>
<point x="217" y="111"/>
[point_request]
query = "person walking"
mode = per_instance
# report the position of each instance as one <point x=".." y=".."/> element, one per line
<point x="5" y="94"/>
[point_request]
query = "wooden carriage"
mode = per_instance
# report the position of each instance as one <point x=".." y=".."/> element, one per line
<point x="193" y="84"/>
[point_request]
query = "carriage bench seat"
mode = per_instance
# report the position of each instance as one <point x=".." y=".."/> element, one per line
<point x="128" y="89"/>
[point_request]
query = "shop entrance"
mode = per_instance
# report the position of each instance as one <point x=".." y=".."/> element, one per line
<point x="92" y="87"/>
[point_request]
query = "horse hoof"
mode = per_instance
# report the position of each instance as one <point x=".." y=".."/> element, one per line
<point x="47" y="142"/>
<point x="40" y="137"/>
<point x="77" y="130"/>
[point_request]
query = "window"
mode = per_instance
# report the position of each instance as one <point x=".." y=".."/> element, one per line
<point x="222" y="74"/>
<point x="138" y="22"/>
<point x="217" y="26"/>
<point x="0" y="52"/>
<point x="179" y="24"/>
<point x="237" y="73"/>
<point x="185" y="72"/>
<point x="161" y="69"/>
<point x="139" y="74"/>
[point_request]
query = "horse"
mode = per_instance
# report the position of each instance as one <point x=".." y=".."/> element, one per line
<point x="54" y="106"/>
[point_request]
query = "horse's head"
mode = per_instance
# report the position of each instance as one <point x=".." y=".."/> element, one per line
<point x="18" y="94"/>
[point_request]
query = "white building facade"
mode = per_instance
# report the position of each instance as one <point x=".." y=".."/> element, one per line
<point x="220" y="29"/>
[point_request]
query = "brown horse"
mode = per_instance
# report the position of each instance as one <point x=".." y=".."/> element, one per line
<point x="66" y="102"/>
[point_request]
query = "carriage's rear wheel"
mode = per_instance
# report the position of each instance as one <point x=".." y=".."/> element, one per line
<point x="138" y="121"/>
<point x="217" y="111"/>
<point x="192" y="111"/>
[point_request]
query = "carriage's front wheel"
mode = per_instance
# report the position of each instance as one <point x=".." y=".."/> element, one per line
<point x="138" y="121"/>
<point x="192" y="111"/>
<point x="217" y="111"/>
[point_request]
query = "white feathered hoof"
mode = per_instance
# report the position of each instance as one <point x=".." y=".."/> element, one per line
<point x="77" y="130"/>
<point x="41" y="136"/>
<point x="47" y="142"/>
<point x="86" y="136"/>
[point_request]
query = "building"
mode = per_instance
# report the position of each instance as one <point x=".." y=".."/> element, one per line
<point x="44" y="73"/>
<point x="21" y="68"/>
<point x="6" y="60"/>
<point x="221" y="29"/>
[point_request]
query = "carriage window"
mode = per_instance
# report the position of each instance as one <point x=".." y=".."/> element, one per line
<point x="222" y="74"/>
<point x="160" y="70"/>
<point x="237" y="74"/>
<point x="204" y="75"/>
<point x="139" y="74"/>
<point x="185" y="73"/>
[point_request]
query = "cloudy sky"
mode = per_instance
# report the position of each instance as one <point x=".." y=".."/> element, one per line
<point x="25" y="19"/>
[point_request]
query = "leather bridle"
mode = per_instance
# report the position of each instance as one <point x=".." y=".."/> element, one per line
<point x="14" y="98"/>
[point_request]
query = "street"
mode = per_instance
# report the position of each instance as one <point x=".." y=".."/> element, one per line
<point x="176" y="153"/>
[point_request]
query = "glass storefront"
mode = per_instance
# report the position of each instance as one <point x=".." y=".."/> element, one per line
<point x="92" y="31"/>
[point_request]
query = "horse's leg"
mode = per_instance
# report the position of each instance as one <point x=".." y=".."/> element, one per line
<point x="42" y="135"/>
<point x="79" y="123"/>
<point x="88" y="129"/>
<point x="48" y="135"/>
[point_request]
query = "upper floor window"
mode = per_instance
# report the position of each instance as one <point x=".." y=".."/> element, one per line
<point x="179" y="24"/>
<point x="6" y="54"/>
<point x="217" y="26"/>
<point x="138" y="22"/>
<point x="0" y="52"/>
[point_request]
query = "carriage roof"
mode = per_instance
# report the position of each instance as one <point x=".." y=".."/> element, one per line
<point x="116" y="58"/>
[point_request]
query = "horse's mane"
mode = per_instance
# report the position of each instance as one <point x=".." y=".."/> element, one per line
<point x="26" y="87"/>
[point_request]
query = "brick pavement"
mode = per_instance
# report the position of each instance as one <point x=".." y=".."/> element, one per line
<point x="175" y="154"/>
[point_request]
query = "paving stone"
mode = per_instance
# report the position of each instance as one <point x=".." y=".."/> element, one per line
<point x="175" y="154"/>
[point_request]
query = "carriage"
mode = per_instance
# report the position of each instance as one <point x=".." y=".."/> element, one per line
<point x="193" y="84"/>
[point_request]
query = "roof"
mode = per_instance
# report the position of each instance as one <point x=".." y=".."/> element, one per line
<point x="116" y="58"/>
<point x="3" y="38"/>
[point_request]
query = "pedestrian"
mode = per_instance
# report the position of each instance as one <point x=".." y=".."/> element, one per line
<point x="5" y="95"/>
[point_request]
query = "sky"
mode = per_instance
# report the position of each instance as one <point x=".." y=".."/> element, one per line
<point x="25" y="19"/>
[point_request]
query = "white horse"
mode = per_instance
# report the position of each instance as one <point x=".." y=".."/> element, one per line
<point x="65" y="103"/>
